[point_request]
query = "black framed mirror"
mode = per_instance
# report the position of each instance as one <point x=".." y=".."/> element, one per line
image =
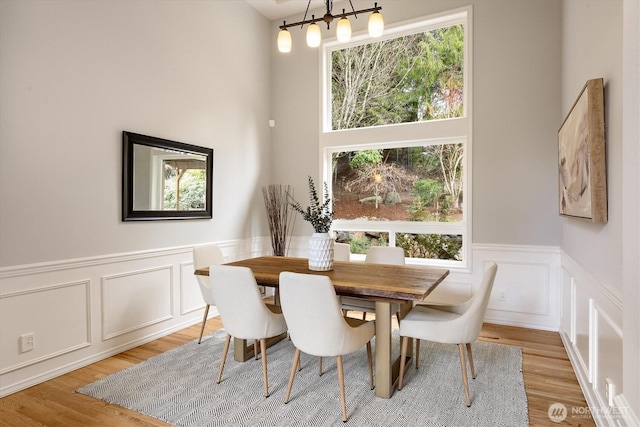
<point x="163" y="179"/>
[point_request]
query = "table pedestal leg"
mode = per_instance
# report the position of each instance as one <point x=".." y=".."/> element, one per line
<point x="243" y="349"/>
<point x="384" y="371"/>
<point x="387" y="370"/>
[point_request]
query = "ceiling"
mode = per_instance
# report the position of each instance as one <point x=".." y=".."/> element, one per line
<point x="277" y="9"/>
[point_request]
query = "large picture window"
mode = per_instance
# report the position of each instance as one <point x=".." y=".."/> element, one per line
<point x="396" y="139"/>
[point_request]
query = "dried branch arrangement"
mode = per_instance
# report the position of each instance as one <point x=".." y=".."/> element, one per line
<point x="279" y="215"/>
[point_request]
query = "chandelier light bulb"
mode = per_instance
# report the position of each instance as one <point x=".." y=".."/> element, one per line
<point x="314" y="37"/>
<point x="376" y="24"/>
<point x="343" y="30"/>
<point x="284" y="41"/>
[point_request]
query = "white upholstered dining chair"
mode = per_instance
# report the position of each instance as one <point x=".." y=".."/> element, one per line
<point x="316" y="325"/>
<point x="204" y="256"/>
<point x="376" y="255"/>
<point x="243" y="312"/>
<point x="341" y="252"/>
<point x="450" y="324"/>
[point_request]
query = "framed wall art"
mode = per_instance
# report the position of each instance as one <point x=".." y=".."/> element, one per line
<point x="582" y="179"/>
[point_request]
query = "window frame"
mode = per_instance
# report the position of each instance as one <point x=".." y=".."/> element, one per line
<point x="406" y="135"/>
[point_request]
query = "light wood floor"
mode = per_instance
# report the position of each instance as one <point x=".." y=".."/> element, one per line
<point x="547" y="372"/>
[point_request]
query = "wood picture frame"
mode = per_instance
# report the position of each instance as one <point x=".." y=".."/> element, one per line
<point x="582" y="175"/>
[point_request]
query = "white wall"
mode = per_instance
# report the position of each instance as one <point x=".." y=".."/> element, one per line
<point x="73" y="76"/>
<point x="600" y="323"/>
<point x="592" y="48"/>
<point x="631" y="202"/>
<point x="76" y="74"/>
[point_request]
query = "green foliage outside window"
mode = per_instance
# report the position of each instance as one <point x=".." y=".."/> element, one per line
<point x="425" y="193"/>
<point x="432" y="246"/>
<point x="402" y="80"/>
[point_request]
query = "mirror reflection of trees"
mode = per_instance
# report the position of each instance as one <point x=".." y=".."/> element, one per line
<point x="184" y="185"/>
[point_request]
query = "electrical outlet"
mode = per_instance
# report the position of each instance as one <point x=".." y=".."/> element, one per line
<point x="609" y="391"/>
<point x="27" y="342"/>
<point x="502" y="296"/>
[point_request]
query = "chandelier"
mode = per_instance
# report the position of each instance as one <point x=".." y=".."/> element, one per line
<point x="343" y="29"/>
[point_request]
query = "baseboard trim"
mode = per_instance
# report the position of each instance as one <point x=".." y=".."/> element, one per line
<point x="49" y="375"/>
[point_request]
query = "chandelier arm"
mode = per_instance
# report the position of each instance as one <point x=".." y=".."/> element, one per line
<point x="352" y="9"/>
<point x="304" y="18"/>
<point x="356" y="12"/>
<point x="341" y="15"/>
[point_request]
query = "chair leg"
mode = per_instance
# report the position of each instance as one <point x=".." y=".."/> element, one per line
<point x="343" y="398"/>
<point x="364" y="315"/>
<point x="463" y="365"/>
<point x="263" y="350"/>
<point x="224" y="357"/>
<point x="370" y="358"/>
<point x="403" y="357"/>
<point x="417" y="353"/>
<point x="320" y="366"/>
<point x="473" y="370"/>
<point x="204" y="320"/>
<point x="296" y="362"/>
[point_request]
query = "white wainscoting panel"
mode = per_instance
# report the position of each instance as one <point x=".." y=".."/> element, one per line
<point x="135" y="299"/>
<point x="66" y="308"/>
<point x="522" y="287"/>
<point x="607" y="351"/>
<point x="190" y="297"/>
<point x="568" y="307"/>
<point x="455" y="289"/>
<point x="85" y="310"/>
<point x="591" y="330"/>
<point x="527" y="290"/>
<point x="582" y="326"/>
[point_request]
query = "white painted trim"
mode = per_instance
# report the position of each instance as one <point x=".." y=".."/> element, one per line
<point x="49" y="266"/>
<point x="41" y="377"/>
<point x="52" y="355"/>
<point x="604" y="308"/>
<point x="106" y="335"/>
<point x="46" y="277"/>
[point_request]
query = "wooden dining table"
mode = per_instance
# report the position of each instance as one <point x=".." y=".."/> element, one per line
<point x="382" y="283"/>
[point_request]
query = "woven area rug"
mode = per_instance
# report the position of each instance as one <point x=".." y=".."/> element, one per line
<point x="179" y="387"/>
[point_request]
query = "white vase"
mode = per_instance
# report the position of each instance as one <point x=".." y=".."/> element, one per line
<point x="321" y="252"/>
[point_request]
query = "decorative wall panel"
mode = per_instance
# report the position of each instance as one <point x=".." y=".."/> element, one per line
<point x="66" y="328"/>
<point x="136" y="299"/>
